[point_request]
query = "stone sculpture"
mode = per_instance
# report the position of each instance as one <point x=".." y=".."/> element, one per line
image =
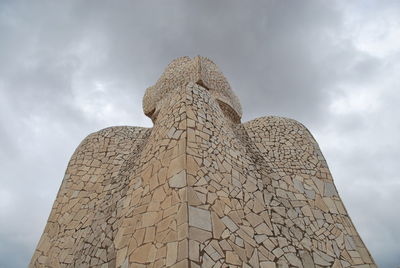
<point x="199" y="189"/>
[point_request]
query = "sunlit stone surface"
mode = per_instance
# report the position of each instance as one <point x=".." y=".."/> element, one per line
<point x="199" y="189"/>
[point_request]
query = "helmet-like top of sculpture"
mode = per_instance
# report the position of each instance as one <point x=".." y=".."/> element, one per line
<point x="199" y="70"/>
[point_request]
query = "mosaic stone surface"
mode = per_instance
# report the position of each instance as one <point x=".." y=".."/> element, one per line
<point x="199" y="189"/>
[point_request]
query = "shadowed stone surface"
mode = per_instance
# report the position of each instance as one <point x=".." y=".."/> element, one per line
<point x="199" y="189"/>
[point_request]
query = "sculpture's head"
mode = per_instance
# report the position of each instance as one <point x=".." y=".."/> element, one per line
<point x="201" y="71"/>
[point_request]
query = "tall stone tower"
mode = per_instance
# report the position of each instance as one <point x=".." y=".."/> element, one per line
<point x="199" y="189"/>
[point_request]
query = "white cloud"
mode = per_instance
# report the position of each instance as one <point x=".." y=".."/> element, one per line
<point x="374" y="28"/>
<point x="352" y="100"/>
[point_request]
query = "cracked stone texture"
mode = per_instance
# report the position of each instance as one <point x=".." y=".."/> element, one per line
<point x="199" y="189"/>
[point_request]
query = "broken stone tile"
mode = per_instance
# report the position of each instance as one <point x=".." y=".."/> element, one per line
<point x="140" y="254"/>
<point x="178" y="180"/>
<point x="172" y="253"/>
<point x="329" y="190"/>
<point x="267" y="264"/>
<point x="232" y="258"/>
<point x="230" y="224"/>
<point x="200" y="218"/>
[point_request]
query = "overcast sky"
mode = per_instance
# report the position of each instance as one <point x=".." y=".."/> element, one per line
<point x="69" y="68"/>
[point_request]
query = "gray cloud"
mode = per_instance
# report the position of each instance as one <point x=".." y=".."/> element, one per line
<point x="70" y="68"/>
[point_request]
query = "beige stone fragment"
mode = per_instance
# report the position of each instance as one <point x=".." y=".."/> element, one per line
<point x="192" y="166"/>
<point x="194" y="250"/>
<point x="44" y="243"/>
<point x="225" y="245"/>
<point x="260" y="238"/>
<point x="178" y="180"/>
<point x="182" y="216"/>
<point x="42" y="259"/>
<point x="258" y="207"/>
<point x="364" y="255"/>
<point x="183" y="250"/>
<point x="182" y="264"/>
<point x="230" y="224"/>
<point x="200" y="218"/>
<point x="140" y="254"/>
<point x="329" y="189"/>
<point x="319" y="260"/>
<point x="162" y="175"/>
<point x="207" y="261"/>
<point x="183" y="231"/>
<point x="239" y="241"/>
<point x="214" y="243"/>
<point x="201" y="182"/>
<point x="267" y="264"/>
<point x="278" y="252"/>
<point x="306" y="259"/>
<point x="226" y="233"/>
<point x="248" y="230"/>
<point x="191" y="136"/>
<point x="167" y="223"/>
<point x="340" y="207"/>
<point x="319" y="203"/>
<point x="293" y="260"/>
<point x="172" y="253"/>
<point x="254" y="219"/>
<point x="154" y="206"/>
<point x="337" y="264"/>
<point x="150" y="234"/>
<point x="121" y="256"/>
<point x="170" y="211"/>
<point x="201" y="196"/>
<point x="249" y="240"/>
<point x="212" y="253"/>
<point x="232" y="258"/>
<point x="153" y="182"/>
<point x="263" y="229"/>
<point x="217" y="225"/>
<point x="254" y="261"/>
<point x="199" y="234"/>
<point x="176" y="165"/>
<point x="193" y="198"/>
<point x="152" y="254"/>
<point x="167" y="202"/>
<point x="307" y="211"/>
<point x="149" y="218"/>
<point x="250" y="186"/>
<point x="331" y="205"/>
<point x="241" y="252"/>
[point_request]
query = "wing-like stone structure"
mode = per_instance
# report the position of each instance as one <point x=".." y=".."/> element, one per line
<point x="199" y="189"/>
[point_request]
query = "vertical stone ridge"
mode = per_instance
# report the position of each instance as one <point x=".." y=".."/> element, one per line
<point x="154" y="227"/>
